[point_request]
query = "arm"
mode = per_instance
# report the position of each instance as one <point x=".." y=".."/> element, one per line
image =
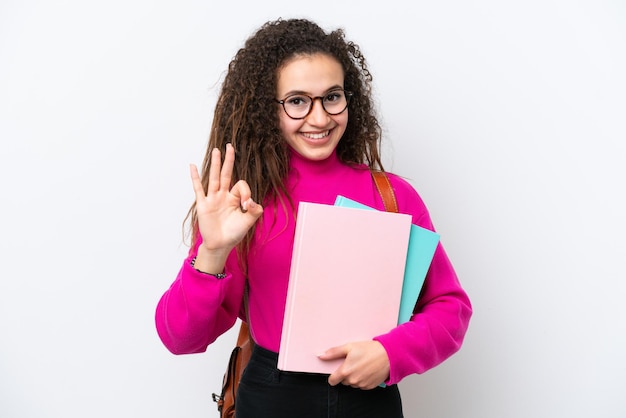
<point x="198" y="307"/>
<point x="436" y="330"/>
<point x="434" y="333"/>
<point x="441" y="316"/>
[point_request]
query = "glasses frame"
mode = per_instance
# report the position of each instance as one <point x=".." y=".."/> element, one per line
<point x="347" y="93"/>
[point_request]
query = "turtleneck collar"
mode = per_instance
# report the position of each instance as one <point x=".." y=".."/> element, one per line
<point x="304" y="167"/>
<point x="316" y="181"/>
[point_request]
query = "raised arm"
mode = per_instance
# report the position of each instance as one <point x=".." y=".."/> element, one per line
<point x="200" y="305"/>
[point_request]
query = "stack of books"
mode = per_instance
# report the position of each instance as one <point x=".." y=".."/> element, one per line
<point x="355" y="273"/>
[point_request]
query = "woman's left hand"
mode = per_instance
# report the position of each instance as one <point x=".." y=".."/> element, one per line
<point x="366" y="364"/>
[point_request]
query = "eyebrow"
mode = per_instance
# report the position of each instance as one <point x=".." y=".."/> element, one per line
<point x="297" y="92"/>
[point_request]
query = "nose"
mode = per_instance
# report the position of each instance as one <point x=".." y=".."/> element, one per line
<point x="317" y="116"/>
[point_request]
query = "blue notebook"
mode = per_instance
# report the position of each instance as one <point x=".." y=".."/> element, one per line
<point x="422" y="245"/>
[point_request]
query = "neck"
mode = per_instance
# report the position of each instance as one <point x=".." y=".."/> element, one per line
<point x="306" y="167"/>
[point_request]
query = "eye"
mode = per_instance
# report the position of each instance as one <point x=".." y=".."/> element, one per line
<point x="297" y="101"/>
<point x="333" y="96"/>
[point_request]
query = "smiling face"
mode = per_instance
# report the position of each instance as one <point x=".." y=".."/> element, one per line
<point x="316" y="136"/>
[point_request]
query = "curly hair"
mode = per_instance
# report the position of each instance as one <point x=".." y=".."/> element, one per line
<point x="246" y="116"/>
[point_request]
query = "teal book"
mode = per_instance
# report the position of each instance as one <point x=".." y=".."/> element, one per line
<point x="422" y="245"/>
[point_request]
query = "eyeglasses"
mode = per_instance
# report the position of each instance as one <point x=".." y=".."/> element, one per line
<point x="298" y="106"/>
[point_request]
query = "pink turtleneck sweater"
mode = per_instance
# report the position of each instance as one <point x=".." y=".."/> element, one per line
<point x="198" y="308"/>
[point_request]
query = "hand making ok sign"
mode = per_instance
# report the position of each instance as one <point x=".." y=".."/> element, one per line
<point x="224" y="213"/>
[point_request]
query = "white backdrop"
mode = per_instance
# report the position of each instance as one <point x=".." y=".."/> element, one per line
<point x="508" y="117"/>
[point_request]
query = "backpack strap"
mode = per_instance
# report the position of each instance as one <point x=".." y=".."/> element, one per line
<point x="385" y="190"/>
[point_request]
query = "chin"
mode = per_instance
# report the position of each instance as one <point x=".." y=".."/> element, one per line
<point x="315" y="154"/>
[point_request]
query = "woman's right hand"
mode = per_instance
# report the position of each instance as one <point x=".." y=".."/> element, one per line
<point x="224" y="214"/>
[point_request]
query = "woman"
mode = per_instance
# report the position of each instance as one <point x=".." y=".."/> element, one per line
<point x="295" y="122"/>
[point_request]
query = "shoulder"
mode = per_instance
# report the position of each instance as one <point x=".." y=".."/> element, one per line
<point x="409" y="200"/>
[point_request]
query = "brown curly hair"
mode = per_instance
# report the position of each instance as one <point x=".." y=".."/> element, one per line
<point x="246" y="112"/>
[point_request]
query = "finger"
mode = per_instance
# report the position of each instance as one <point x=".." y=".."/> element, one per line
<point x="227" y="168"/>
<point x="335" y="353"/>
<point x="196" y="182"/>
<point x="337" y="376"/>
<point x="241" y="190"/>
<point x="214" y="171"/>
<point x="252" y="208"/>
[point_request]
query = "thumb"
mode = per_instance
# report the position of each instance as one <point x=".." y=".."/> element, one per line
<point x="334" y="353"/>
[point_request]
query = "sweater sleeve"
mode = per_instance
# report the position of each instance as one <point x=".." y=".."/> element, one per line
<point x="198" y="308"/>
<point x="441" y="316"/>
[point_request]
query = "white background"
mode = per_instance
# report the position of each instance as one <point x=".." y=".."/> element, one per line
<point x="507" y="116"/>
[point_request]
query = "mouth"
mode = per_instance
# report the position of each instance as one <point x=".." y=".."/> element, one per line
<point x="315" y="136"/>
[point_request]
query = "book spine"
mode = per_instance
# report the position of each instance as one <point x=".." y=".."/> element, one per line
<point x="292" y="288"/>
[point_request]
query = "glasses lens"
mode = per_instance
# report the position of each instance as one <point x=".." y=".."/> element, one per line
<point x="335" y="102"/>
<point x="297" y="106"/>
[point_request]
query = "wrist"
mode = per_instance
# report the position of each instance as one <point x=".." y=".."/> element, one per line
<point x="214" y="255"/>
<point x="210" y="262"/>
<point x="216" y="275"/>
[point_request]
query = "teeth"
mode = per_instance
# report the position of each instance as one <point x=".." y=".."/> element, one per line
<point x="316" y="136"/>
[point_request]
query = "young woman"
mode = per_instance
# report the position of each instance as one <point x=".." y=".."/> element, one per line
<point x="295" y="122"/>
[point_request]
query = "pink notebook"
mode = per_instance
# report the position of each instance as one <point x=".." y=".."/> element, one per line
<point x="345" y="282"/>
